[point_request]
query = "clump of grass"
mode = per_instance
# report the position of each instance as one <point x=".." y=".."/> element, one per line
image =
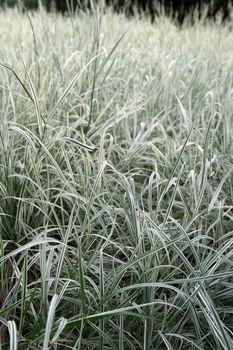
<point x="115" y="183"/>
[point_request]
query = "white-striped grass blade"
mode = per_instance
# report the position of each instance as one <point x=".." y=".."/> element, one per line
<point x="50" y="319"/>
<point x="13" y="334"/>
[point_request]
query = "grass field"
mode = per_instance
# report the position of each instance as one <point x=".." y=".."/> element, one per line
<point x="116" y="183"/>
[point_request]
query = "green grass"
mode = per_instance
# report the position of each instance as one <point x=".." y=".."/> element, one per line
<point x="116" y="183"/>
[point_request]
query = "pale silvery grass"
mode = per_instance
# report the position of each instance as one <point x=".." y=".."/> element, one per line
<point x="115" y="183"/>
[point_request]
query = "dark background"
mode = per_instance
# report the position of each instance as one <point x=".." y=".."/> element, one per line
<point x="177" y="8"/>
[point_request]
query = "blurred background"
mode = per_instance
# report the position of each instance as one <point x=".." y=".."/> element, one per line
<point x="178" y="9"/>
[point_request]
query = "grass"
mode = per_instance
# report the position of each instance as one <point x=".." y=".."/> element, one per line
<point x="116" y="183"/>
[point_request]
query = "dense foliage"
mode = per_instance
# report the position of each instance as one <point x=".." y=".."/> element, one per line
<point x="179" y="8"/>
<point x="116" y="183"/>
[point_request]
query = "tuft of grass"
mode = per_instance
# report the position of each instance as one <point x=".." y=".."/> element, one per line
<point x="116" y="183"/>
